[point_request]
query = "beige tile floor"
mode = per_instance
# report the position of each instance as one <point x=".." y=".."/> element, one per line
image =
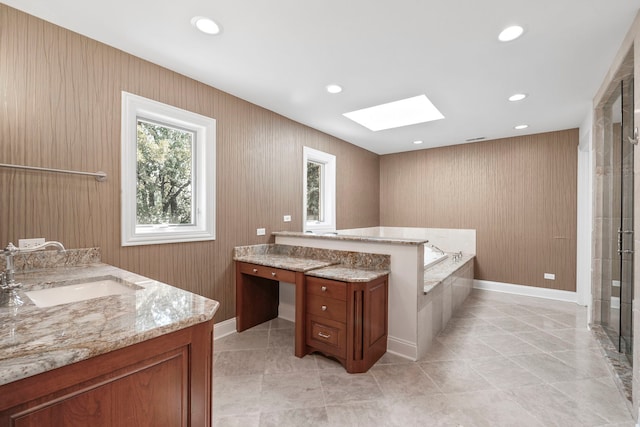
<point x="503" y="360"/>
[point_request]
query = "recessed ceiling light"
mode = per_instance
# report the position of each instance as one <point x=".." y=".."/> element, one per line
<point x="418" y="142"/>
<point x="405" y="112"/>
<point x="520" y="127"/>
<point x="510" y="33"/>
<point x="334" y="88"/>
<point x="206" y="25"/>
<point x="517" y="97"/>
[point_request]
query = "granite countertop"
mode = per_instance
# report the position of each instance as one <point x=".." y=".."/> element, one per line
<point x="350" y="237"/>
<point x="347" y="274"/>
<point x="440" y="271"/>
<point x="342" y="265"/>
<point x="34" y="340"/>
<point x="284" y="262"/>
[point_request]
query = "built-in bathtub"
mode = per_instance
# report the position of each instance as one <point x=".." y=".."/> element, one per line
<point x="432" y="256"/>
<point x="415" y="316"/>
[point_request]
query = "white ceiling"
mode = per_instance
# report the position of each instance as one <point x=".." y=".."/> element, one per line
<point x="280" y="54"/>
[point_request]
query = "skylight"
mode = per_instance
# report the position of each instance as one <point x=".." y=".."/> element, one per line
<point x="404" y="112"/>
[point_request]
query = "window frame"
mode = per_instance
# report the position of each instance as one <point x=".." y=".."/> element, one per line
<point x="136" y="107"/>
<point x="327" y="188"/>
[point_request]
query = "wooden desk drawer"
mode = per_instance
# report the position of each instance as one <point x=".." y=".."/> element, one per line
<point x="327" y="288"/>
<point x="268" y="272"/>
<point x="327" y="336"/>
<point x="328" y="308"/>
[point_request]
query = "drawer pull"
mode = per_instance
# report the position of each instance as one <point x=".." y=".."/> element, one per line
<point x="323" y="289"/>
<point x="325" y="336"/>
<point x="324" y="308"/>
<point x="273" y="273"/>
<point x="255" y="270"/>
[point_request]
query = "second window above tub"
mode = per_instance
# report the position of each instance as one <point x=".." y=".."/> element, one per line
<point x="319" y="204"/>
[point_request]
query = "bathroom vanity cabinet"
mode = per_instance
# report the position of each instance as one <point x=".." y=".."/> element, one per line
<point x="164" y="381"/>
<point x="347" y="320"/>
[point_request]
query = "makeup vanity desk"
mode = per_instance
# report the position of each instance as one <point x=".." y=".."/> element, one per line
<point x="341" y="299"/>
<point x="257" y="290"/>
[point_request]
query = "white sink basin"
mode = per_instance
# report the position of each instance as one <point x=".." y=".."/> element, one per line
<point x="81" y="291"/>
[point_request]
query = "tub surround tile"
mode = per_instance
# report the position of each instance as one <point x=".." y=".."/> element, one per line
<point x="34" y="339"/>
<point x="353" y="238"/>
<point x="447" y="267"/>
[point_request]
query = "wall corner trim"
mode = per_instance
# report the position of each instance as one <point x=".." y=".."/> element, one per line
<point x="529" y="291"/>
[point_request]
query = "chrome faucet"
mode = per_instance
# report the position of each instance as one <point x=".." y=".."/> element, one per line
<point x="7" y="279"/>
<point x="437" y="249"/>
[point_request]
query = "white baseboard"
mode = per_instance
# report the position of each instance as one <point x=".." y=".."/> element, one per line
<point x="287" y="312"/>
<point x="529" y="291"/>
<point x="402" y="348"/>
<point x="224" y="328"/>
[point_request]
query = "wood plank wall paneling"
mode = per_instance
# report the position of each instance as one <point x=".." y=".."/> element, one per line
<point x="518" y="193"/>
<point x="60" y="108"/>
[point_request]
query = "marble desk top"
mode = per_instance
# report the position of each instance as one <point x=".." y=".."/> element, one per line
<point x="34" y="340"/>
<point x="284" y="262"/>
<point x="347" y="274"/>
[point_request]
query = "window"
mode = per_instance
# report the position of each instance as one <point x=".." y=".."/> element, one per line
<point x="319" y="190"/>
<point x="168" y="173"/>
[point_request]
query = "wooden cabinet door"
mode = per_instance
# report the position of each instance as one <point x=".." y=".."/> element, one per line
<point x="148" y="395"/>
<point x="164" y="381"/>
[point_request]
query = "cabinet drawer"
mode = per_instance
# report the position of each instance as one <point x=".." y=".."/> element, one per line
<point x="268" y="272"/>
<point x="328" y="308"/>
<point x="327" y="288"/>
<point x="327" y="336"/>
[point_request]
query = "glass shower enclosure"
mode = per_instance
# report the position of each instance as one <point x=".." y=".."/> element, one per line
<point x="618" y="250"/>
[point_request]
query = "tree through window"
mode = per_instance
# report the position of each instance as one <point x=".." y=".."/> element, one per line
<point x="164" y="174"/>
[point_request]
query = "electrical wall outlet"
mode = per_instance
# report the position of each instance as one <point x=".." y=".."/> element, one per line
<point x="261" y="232"/>
<point x="30" y="243"/>
<point x="286" y="218"/>
<point x="549" y="276"/>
